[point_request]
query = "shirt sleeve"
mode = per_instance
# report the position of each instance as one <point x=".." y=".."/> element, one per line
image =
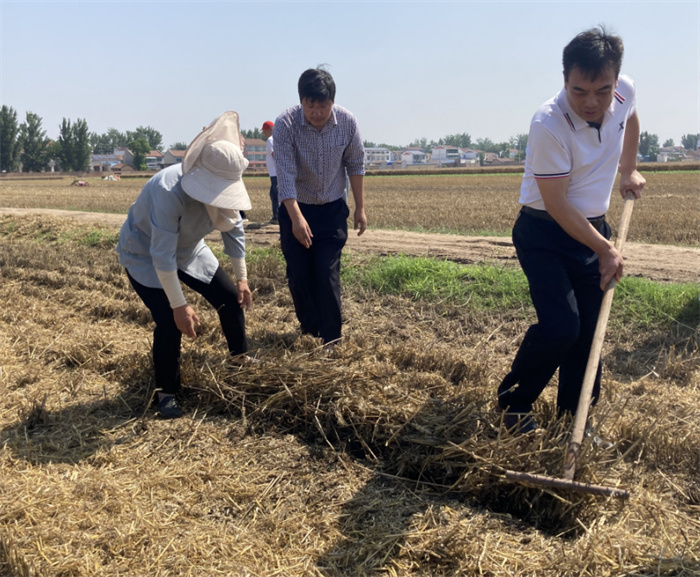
<point x="240" y="271"/>
<point x="171" y="285"/>
<point x="549" y="157"/>
<point x="234" y="241"/>
<point x="354" y="155"/>
<point x="285" y="158"/>
<point x="627" y="90"/>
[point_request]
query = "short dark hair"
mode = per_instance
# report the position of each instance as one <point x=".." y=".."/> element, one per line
<point x="317" y="85"/>
<point x="592" y="52"/>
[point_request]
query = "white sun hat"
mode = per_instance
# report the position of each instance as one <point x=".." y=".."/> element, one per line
<point x="213" y="165"/>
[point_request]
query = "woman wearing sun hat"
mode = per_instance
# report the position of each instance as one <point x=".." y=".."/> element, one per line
<point x="161" y="244"/>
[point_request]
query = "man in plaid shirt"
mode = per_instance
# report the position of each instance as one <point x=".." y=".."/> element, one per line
<point x="317" y="144"/>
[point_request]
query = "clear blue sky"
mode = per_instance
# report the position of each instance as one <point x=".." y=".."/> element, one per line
<point x="406" y="69"/>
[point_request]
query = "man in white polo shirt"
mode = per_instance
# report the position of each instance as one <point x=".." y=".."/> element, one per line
<point x="271" y="169"/>
<point x="577" y="143"/>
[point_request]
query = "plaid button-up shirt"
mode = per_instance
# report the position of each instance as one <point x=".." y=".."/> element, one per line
<point x="311" y="164"/>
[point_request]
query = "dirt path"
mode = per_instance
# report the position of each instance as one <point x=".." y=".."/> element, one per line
<point x="655" y="262"/>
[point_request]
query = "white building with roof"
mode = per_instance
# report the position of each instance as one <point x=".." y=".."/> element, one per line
<point x="443" y="154"/>
<point x="377" y="156"/>
<point x="413" y="156"/>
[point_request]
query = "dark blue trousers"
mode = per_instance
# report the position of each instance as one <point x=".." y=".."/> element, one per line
<point x="565" y="289"/>
<point x="274" y="201"/>
<point x="313" y="273"/>
<point x="221" y="293"/>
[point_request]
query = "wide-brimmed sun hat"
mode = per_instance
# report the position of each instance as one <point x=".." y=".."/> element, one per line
<point x="213" y="165"/>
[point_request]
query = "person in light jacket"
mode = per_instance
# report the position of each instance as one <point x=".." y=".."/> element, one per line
<point x="161" y="245"/>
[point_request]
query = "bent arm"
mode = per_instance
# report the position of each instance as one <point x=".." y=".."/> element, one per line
<point x="576" y="225"/>
<point x="630" y="179"/>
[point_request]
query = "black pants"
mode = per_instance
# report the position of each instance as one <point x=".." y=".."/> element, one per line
<point x="274" y="198"/>
<point x="565" y="288"/>
<point x="314" y="273"/>
<point x="221" y="293"/>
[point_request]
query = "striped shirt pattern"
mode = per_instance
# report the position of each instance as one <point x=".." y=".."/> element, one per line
<point x="311" y="164"/>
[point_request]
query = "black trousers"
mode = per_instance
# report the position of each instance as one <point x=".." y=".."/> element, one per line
<point x="565" y="288"/>
<point x="313" y="273"/>
<point x="274" y="198"/>
<point x="221" y="293"/>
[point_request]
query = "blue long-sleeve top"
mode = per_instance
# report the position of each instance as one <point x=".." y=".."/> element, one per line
<point x="165" y="230"/>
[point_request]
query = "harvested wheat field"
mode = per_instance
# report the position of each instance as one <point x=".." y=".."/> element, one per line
<point x="383" y="457"/>
<point x="465" y="203"/>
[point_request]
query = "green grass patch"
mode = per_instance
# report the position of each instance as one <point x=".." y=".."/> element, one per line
<point x="8" y="227"/>
<point x="652" y="305"/>
<point x="641" y="303"/>
<point x="421" y="278"/>
<point x="90" y="237"/>
<point x="266" y="263"/>
<point x="93" y="237"/>
<point x="101" y="238"/>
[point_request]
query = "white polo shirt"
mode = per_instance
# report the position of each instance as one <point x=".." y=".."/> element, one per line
<point x="561" y="144"/>
<point x="269" y="159"/>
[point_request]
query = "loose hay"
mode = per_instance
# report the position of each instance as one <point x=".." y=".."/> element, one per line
<point x="383" y="457"/>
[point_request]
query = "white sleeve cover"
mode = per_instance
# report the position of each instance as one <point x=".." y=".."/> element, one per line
<point x="240" y="270"/>
<point x="172" y="288"/>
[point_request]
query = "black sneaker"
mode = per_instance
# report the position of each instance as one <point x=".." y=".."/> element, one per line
<point x="169" y="408"/>
<point x="519" y="423"/>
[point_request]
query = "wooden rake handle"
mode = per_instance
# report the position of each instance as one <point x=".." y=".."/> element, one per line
<point x="584" y="400"/>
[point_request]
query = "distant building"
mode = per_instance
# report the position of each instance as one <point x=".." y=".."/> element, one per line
<point x="468" y="156"/>
<point x="173" y="157"/>
<point x="255" y="153"/>
<point x="104" y="162"/>
<point x="154" y="160"/>
<point x="122" y="168"/>
<point x="443" y="154"/>
<point x="377" y="156"/>
<point x="125" y="154"/>
<point x="107" y="162"/>
<point x="671" y="153"/>
<point x="413" y="156"/>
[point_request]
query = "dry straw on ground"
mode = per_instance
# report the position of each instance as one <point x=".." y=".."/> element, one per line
<point x="382" y="457"/>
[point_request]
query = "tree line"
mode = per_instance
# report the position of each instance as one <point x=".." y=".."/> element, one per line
<point x="26" y="143"/>
<point x="649" y="144"/>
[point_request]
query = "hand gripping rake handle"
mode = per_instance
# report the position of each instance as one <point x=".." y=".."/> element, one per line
<point x="584" y="400"/>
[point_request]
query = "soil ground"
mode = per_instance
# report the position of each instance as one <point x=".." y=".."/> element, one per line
<point x="654" y="262"/>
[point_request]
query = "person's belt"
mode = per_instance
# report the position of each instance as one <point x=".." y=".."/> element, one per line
<point x="544" y="215"/>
